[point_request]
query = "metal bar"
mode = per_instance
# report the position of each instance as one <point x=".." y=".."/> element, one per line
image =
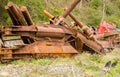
<point x="14" y="20"/>
<point x="66" y="13"/>
<point x="48" y="14"/>
<point x="27" y="15"/>
<point x="82" y="26"/>
<point x="16" y="13"/>
<point x="70" y="8"/>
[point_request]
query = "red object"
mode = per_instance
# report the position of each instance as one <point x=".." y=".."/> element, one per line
<point x="106" y="27"/>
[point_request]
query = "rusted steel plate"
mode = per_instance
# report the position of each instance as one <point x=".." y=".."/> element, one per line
<point x="49" y="29"/>
<point x="25" y="28"/>
<point x="49" y="34"/>
<point x="38" y="28"/>
<point x="38" y="48"/>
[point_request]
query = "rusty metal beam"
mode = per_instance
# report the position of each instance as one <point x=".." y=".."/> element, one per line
<point x="70" y="8"/>
<point x="48" y="14"/>
<point x="14" y="20"/>
<point x="66" y="13"/>
<point x="17" y="13"/>
<point x="82" y="26"/>
<point x="26" y="15"/>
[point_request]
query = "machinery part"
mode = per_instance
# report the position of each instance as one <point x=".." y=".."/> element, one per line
<point x="38" y="41"/>
<point x="14" y="21"/>
<point x="96" y="45"/>
<point x="113" y="37"/>
<point x="48" y="14"/>
<point x="39" y="50"/>
<point x="91" y="44"/>
<point x="15" y="13"/>
<point x="70" y="8"/>
<point x="18" y="15"/>
<point x="44" y="40"/>
<point x="60" y="18"/>
<point x="82" y="40"/>
<point x="83" y="27"/>
<point x="26" y="15"/>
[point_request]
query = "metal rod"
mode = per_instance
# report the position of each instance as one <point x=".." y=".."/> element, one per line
<point x="17" y="13"/>
<point x="14" y="20"/>
<point x="81" y="25"/>
<point x="26" y="15"/>
<point x="48" y="14"/>
<point x="70" y="8"/>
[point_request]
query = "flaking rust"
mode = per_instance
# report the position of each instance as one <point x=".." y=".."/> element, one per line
<point x="26" y="40"/>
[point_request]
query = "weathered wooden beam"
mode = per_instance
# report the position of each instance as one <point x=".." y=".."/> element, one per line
<point x="26" y="15"/>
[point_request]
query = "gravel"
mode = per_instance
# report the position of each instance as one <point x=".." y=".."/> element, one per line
<point x="29" y="70"/>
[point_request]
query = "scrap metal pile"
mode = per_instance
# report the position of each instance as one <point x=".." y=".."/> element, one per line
<point x="23" y="39"/>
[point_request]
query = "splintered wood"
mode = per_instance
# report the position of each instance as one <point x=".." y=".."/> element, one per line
<point x="18" y="15"/>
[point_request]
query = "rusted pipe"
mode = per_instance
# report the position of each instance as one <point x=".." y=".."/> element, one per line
<point x="14" y="20"/>
<point x="48" y="14"/>
<point x="26" y="15"/>
<point x="82" y="26"/>
<point x="17" y="14"/>
<point x="66" y="13"/>
<point x="70" y="8"/>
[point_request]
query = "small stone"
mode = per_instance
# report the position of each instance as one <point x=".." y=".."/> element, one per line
<point x="4" y="73"/>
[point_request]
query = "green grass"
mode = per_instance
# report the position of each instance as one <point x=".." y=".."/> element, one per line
<point x="85" y="62"/>
<point x="90" y="13"/>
